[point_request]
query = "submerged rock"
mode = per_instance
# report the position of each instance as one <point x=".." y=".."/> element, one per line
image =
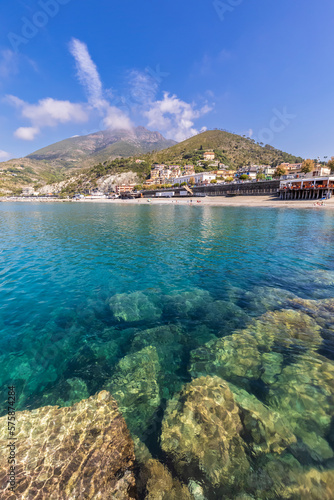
<point x="235" y="358"/>
<point x="225" y="317"/>
<point x="265" y="298"/>
<point x="83" y="451"/>
<point x="159" y="484"/>
<point x="135" y="387"/>
<point x="168" y="341"/>
<point x="304" y="394"/>
<point x="313" y="484"/>
<point x="201" y="435"/>
<point x="190" y="304"/>
<point x="284" y="477"/>
<point x="264" y="429"/>
<point x="322" y="311"/>
<point x="134" y="307"/>
<point x="286" y="328"/>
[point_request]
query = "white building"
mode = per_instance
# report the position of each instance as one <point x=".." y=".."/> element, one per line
<point x="269" y="170"/>
<point x="201" y="178"/>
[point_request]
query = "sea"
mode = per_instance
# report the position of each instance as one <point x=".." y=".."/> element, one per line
<point x="212" y="327"/>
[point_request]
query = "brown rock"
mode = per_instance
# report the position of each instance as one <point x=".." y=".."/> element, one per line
<point x="83" y="451"/>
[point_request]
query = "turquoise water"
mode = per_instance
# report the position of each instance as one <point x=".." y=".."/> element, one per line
<point x="145" y="300"/>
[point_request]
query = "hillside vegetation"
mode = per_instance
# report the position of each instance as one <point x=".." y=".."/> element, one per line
<point x="63" y="159"/>
<point x="231" y="149"/>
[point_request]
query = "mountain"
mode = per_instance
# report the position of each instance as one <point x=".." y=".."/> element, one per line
<point x="231" y="149"/>
<point x="84" y="151"/>
<point x="55" y="162"/>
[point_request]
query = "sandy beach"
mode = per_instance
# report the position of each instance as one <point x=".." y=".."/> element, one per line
<point x="223" y="201"/>
<point x="265" y="201"/>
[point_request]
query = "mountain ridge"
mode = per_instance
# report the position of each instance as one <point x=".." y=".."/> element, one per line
<point x="55" y="162"/>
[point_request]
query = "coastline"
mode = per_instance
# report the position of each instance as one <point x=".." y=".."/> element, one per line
<point x="265" y="201"/>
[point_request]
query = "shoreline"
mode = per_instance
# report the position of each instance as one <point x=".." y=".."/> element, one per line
<point x="264" y="201"/>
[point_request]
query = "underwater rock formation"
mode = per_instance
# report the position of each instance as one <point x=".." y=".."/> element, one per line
<point x="224" y="317"/>
<point x="322" y="311"/>
<point x="304" y="394"/>
<point x="134" y="307"/>
<point x="285" y="478"/>
<point x="235" y="358"/>
<point x="201" y="435"/>
<point x="83" y="451"/>
<point x="168" y="341"/>
<point x="190" y="304"/>
<point x="159" y="484"/>
<point x="135" y="388"/>
<point x="286" y="328"/>
<point x="265" y="298"/>
<point x="265" y="430"/>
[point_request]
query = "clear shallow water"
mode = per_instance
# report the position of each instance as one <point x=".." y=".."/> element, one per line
<point x="145" y="300"/>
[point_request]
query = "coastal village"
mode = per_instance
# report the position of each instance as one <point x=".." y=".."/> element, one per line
<point x="307" y="180"/>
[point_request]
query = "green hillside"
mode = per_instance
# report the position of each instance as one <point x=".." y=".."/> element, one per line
<point x="56" y="162"/>
<point x="231" y="149"/>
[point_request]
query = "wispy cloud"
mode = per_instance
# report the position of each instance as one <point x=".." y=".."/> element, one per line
<point x="89" y="77"/>
<point x="4" y="155"/>
<point x="8" y="63"/>
<point x="46" y="113"/>
<point x="87" y="73"/>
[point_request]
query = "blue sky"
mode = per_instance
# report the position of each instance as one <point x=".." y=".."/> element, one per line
<point x="254" y="67"/>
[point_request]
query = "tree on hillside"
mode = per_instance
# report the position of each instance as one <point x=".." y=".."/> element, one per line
<point x="260" y="177"/>
<point x="307" y="166"/>
<point x="280" y="170"/>
<point x="330" y="164"/>
<point x="244" y="177"/>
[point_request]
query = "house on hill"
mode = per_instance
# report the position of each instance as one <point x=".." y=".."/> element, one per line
<point x="209" y="155"/>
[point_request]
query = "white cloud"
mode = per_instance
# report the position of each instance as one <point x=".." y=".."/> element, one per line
<point x="46" y="113"/>
<point x="26" y="133"/>
<point x="175" y="117"/>
<point x="4" y="155"/>
<point x="115" y="118"/>
<point x="89" y="77"/>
